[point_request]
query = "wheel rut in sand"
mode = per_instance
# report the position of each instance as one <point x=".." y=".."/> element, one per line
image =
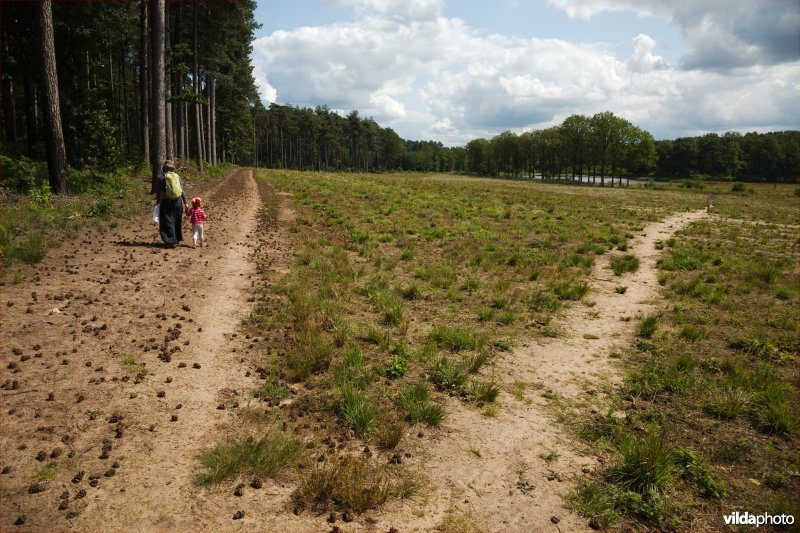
<point x="161" y="486"/>
<point x="500" y="470"/>
<point x="136" y="344"/>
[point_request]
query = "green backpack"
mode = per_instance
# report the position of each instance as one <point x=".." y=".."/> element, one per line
<point x="173" y="189"/>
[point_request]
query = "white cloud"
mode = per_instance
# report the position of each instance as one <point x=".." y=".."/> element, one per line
<point x="722" y="33"/>
<point x="381" y="104"/>
<point x="431" y="77"/>
<point x="643" y="59"/>
<point x="586" y="9"/>
<point x="408" y="9"/>
<point x="266" y="91"/>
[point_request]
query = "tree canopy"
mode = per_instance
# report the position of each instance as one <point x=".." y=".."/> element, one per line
<point x="106" y="62"/>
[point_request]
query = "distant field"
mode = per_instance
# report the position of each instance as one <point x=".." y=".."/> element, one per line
<point x="407" y="285"/>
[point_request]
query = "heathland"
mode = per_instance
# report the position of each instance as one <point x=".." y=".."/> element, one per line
<point x="403" y="350"/>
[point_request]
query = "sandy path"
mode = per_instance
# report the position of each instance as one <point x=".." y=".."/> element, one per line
<point x="491" y="469"/>
<point x="69" y="327"/>
<point x="168" y="455"/>
<point x="86" y="308"/>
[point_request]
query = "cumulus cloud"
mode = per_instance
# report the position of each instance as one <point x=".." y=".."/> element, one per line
<point x="407" y="9"/>
<point x="722" y="34"/>
<point x="643" y="59"/>
<point x="434" y="77"/>
<point x="266" y="91"/>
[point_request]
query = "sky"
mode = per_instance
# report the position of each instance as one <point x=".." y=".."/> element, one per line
<point x="456" y="70"/>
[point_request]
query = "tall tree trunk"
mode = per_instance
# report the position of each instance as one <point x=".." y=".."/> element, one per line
<point x="213" y="121"/>
<point x="179" y="122"/>
<point x="31" y="131"/>
<point x="185" y="124"/>
<point x="144" y="80"/>
<point x="178" y="90"/>
<point x="203" y="138"/>
<point x="13" y="107"/>
<point x="54" y="144"/>
<point x="209" y="150"/>
<point x="111" y="99"/>
<point x="198" y="134"/>
<point x="159" y="131"/>
<point x="126" y="121"/>
<point x="168" y="91"/>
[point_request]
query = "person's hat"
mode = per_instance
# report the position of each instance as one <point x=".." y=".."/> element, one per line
<point x="169" y="164"/>
<point x="197" y="200"/>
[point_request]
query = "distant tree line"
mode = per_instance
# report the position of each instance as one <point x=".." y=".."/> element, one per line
<point x="749" y="157"/>
<point x="604" y="148"/>
<point x="126" y="81"/>
<point x="298" y="138"/>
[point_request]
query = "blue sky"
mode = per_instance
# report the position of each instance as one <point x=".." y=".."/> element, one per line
<point x="457" y="70"/>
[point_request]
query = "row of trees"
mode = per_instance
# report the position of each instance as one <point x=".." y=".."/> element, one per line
<point x="291" y="137"/>
<point x="604" y="148"/>
<point x="320" y="139"/>
<point x="749" y="157"/>
<point x="118" y="81"/>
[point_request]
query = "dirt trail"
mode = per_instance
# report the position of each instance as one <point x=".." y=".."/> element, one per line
<point x="82" y="328"/>
<point x="496" y="471"/>
<point x="79" y="333"/>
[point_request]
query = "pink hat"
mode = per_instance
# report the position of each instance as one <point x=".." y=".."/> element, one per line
<point x="197" y="200"/>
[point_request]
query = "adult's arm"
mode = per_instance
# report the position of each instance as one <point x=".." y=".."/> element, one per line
<point x="160" y="183"/>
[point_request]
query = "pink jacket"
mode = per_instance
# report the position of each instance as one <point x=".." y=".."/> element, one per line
<point x="197" y="215"/>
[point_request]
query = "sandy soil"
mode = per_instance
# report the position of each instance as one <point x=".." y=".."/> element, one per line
<point x="72" y="400"/>
<point x="82" y="327"/>
<point x="498" y="471"/>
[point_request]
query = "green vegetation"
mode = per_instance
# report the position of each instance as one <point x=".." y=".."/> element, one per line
<point x="356" y="483"/>
<point x="414" y="401"/>
<point x="625" y="263"/>
<point x="377" y="336"/>
<point x="357" y="409"/>
<point x="34" y="220"/>
<point x="562" y="152"/>
<point x="263" y="457"/>
<point x="712" y="378"/>
<point x="647" y="327"/>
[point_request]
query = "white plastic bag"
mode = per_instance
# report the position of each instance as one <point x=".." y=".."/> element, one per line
<point x="155" y="213"/>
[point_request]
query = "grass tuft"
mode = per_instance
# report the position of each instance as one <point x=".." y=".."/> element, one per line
<point x="413" y="400"/>
<point x="456" y="338"/>
<point x="626" y="263"/>
<point x="261" y="457"/>
<point x="311" y="354"/>
<point x="645" y="463"/>
<point x="357" y="409"/>
<point x="647" y="327"/>
<point x="355" y="483"/>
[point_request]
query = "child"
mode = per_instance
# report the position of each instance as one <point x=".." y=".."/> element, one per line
<point x="197" y="216"/>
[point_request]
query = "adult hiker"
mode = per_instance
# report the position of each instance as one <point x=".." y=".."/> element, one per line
<point x="171" y="202"/>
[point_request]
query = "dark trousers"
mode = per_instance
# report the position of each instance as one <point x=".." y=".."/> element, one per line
<point x="170" y="217"/>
